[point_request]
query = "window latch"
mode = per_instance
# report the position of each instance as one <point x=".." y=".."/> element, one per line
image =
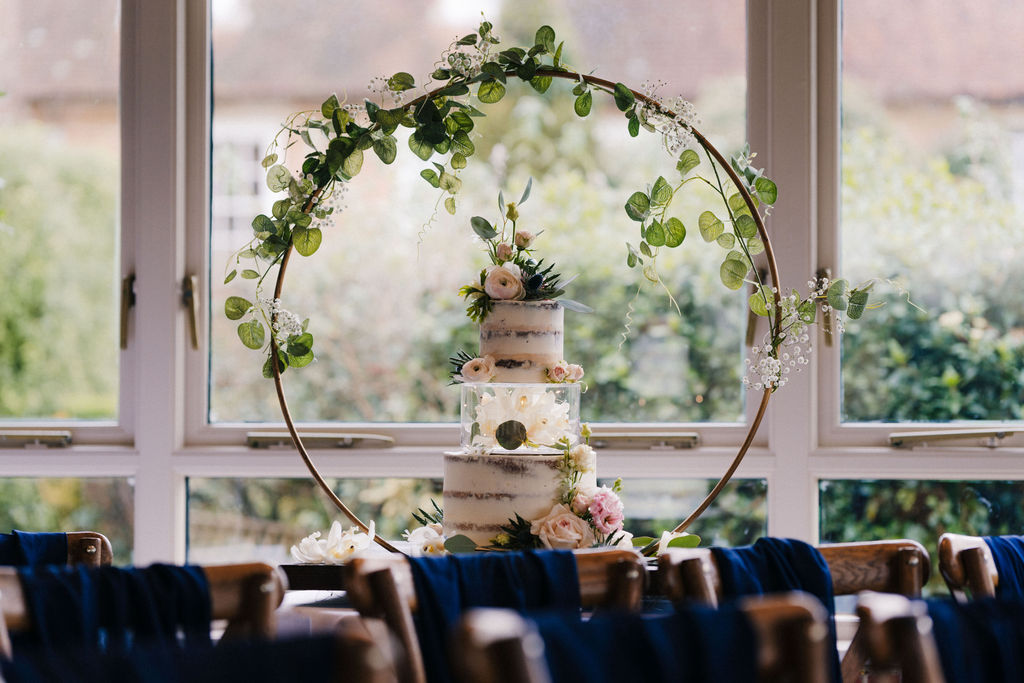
<point x="34" y="440"/>
<point x="992" y="437"/>
<point x="127" y="302"/>
<point x="189" y="290"/>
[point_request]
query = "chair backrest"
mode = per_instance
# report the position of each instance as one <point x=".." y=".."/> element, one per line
<point x="382" y="587"/>
<point x="89" y="548"/>
<point x="897" y="632"/>
<point x="245" y="595"/>
<point x="967" y="566"/>
<point x="501" y="646"/>
<point x="892" y="566"/>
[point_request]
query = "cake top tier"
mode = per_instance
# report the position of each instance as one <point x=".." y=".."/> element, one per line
<point x="524" y="338"/>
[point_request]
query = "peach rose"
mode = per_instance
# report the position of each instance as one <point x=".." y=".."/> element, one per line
<point x="558" y="372"/>
<point x="503" y="251"/>
<point x="504" y="282"/>
<point x="524" y="238"/>
<point x="478" y="369"/>
<point x="575" y="373"/>
<point x="560" y="529"/>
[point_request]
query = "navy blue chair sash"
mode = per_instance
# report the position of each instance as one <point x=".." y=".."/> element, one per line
<point x="1008" y="553"/>
<point x="447" y="586"/>
<point x="23" y="549"/>
<point x="981" y="641"/>
<point x="777" y="565"/>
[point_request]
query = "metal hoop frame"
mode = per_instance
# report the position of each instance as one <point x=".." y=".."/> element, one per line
<point x="769" y="254"/>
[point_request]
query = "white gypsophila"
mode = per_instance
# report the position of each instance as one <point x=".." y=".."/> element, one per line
<point x="286" y="323"/>
<point x="545" y="417"/>
<point x="339" y="547"/>
<point x="426" y="540"/>
<point x="380" y="86"/>
<point x="676" y="131"/>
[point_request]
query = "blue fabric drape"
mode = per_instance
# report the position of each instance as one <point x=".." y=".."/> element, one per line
<point x="447" y="586"/>
<point x="981" y="641"/>
<point x="301" y="660"/>
<point x="22" y="548"/>
<point x="696" y="644"/>
<point x="1008" y="553"/>
<point x="776" y="565"/>
<point x="111" y="608"/>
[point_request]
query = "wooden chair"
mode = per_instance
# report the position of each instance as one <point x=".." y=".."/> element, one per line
<point x="245" y="595"/>
<point x="89" y="548"/>
<point x="382" y="588"/>
<point x="500" y="646"/>
<point x="966" y="565"/>
<point x="896" y="566"/>
<point x="897" y="633"/>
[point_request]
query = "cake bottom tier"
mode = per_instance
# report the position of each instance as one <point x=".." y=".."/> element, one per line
<point x="483" y="492"/>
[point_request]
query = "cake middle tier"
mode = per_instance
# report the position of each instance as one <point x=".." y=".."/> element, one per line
<point x="524" y="338"/>
<point x="484" y="492"/>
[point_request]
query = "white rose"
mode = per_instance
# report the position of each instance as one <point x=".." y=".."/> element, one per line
<point x="504" y="282"/>
<point x="583" y="457"/>
<point x="478" y="369"/>
<point x="625" y="541"/>
<point x="524" y="238"/>
<point x="667" y="537"/>
<point x="575" y="373"/>
<point x="426" y="540"/>
<point x="560" y="529"/>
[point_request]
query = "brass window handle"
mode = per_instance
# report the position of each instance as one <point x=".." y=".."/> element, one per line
<point x="189" y="290"/>
<point x="127" y="301"/>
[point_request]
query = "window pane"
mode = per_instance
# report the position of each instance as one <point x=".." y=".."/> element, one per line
<point x="59" y="184"/>
<point x="105" y="505"/>
<point x="921" y="510"/>
<point x="382" y="290"/>
<point x="933" y="193"/>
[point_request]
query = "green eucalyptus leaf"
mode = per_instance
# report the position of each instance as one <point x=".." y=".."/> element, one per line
<point x="449" y="183"/>
<point x="758" y="301"/>
<point x="250" y="274"/>
<point x="634" y="126"/>
<point x="745" y="226"/>
<point x="300" y="361"/>
<point x="675" y="232"/>
<point x="645" y="249"/>
<point x="546" y="38"/>
<point x="449" y="205"/>
<point x="837" y="297"/>
<point x="494" y="69"/>
<point x="766" y="190"/>
<point x="278" y="178"/>
<point x="386" y="149"/>
<point x="510" y="434"/>
<point x="755" y="246"/>
<point x="483" y="229"/>
<point x="230" y="276"/>
<point x="526" y="191"/>
<point x="340" y="119"/>
<point x="858" y="303"/>
<point x="467" y="40"/>
<point x="269" y="160"/>
<point x="710" y="226"/>
<point x="329" y="105"/>
<point x="624" y="97"/>
<point x="464" y="120"/>
<point x="462" y="144"/>
<point x="306" y="240"/>
<point x="401" y="81"/>
<point x="282" y="365"/>
<point x="688" y="161"/>
<point x="421" y="148"/>
<point x="235" y="307"/>
<point x="641" y="541"/>
<point x="252" y="333"/>
<point x="726" y="240"/>
<point x="281" y="207"/>
<point x="687" y="541"/>
<point x="656" y="235"/>
<point x="808" y="311"/>
<point x="583" y="103"/>
<point x="490" y="92"/>
<point x="661" y="193"/>
<point x="637" y="206"/>
<point x="353" y="163"/>
<point x="651" y="273"/>
<point x="458" y="161"/>
<point x="303" y="220"/>
<point x="732" y="273"/>
<point x="540" y="83"/>
<point x="739" y="205"/>
<point x="460" y="544"/>
<point x="430" y="176"/>
<point x="632" y="257"/>
<point x="263" y="224"/>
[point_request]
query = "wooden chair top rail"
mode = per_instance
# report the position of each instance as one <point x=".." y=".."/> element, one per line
<point x="250" y="592"/>
<point x="966" y="564"/>
<point x="891" y="566"/>
<point x="90" y="548"/>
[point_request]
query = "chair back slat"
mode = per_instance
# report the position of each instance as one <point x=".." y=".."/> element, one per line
<point x="897" y="633"/>
<point x="967" y="566"/>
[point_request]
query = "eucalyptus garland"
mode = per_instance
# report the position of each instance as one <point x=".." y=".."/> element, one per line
<point x="473" y="72"/>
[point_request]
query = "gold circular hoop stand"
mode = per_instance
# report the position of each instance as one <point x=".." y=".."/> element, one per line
<point x="772" y="270"/>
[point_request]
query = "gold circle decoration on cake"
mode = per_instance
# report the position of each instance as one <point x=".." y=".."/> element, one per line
<point x="441" y="121"/>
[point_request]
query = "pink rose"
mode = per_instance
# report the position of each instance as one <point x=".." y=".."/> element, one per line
<point x="581" y="501"/>
<point x="559" y="372"/>
<point x="504" y="282"/>
<point x="560" y="529"/>
<point x="478" y="369"/>
<point x="524" y="238"/>
<point x="575" y="373"/>
<point x="606" y="510"/>
<point x="503" y="251"/>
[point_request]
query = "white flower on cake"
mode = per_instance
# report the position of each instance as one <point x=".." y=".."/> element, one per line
<point x="562" y="529"/>
<point x="565" y="372"/>
<point x="426" y="540"/>
<point x="477" y="370"/>
<point x="583" y="458"/>
<point x="338" y="548"/>
<point x="546" y="419"/>
<point x="504" y="282"/>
